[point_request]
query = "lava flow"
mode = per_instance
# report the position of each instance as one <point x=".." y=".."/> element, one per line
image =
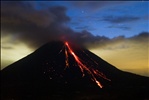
<point x="66" y="61"/>
<point x="83" y="67"/>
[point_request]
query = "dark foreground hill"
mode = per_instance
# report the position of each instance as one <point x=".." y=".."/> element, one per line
<point x="53" y="72"/>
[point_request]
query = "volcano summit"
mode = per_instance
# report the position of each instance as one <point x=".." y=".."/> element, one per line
<point x="64" y="71"/>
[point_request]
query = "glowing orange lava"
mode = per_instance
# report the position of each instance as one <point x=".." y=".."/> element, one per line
<point x="66" y="61"/>
<point x="83" y="67"/>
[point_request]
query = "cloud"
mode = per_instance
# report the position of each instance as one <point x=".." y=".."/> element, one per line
<point x="120" y="27"/>
<point x="120" y="19"/>
<point x="6" y="47"/>
<point x="75" y="23"/>
<point x="82" y="27"/>
<point x="141" y="38"/>
<point x="33" y="26"/>
<point x="26" y="11"/>
<point x="139" y="41"/>
<point x="27" y="24"/>
<point x="89" y="28"/>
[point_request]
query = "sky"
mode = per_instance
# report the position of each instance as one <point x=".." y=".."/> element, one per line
<point x="117" y="31"/>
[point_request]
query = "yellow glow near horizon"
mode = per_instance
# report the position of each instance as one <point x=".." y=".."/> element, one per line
<point x="10" y="56"/>
<point x="11" y="53"/>
<point x="132" y="59"/>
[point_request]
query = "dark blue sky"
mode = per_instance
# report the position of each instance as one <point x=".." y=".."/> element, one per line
<point x="105" y="18"/>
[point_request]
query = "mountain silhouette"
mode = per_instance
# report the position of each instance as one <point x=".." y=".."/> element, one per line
<point x="56" y="71"/>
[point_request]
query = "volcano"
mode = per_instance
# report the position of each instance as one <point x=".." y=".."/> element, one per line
<point x="64" y="71"/>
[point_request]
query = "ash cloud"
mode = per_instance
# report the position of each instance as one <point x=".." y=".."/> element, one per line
<point x="33" y="26"/>
<point x="36" y="27"/>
